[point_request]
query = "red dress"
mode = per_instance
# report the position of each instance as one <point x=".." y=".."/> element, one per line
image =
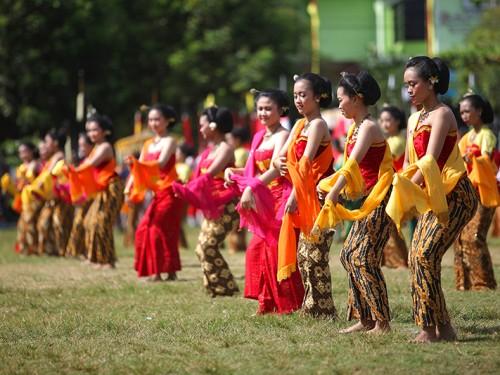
<point x="370" y="165"/>
<point x="157" y="236"/>
<point x="261" y="263"/>
<point x="421" y="139"/>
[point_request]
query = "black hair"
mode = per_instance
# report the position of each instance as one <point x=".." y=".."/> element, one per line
<point x="58" y="135"/>
<point x="480" y="103"/>
<point x="31" y="146"/>
<point x="363" y="85"/>
<point x="104" y="123"/>
<point x="241" y="133"/>
<point x="279" y="97"/>
<point x="86" y="137"/>
<point x="428" y="69"/>
<point x="221" y="116"/>
<point x="397" y="114"/>
<point x="321" y="86"/>
<point x="168" y="113"/>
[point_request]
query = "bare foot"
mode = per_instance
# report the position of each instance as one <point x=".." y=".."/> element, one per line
<point x="107" y="266"/>
<point x="172" y="276"/>
<point x="426" y="336"/>
<point x="359" y="327"/>
<point x="446" y="332"/>
<point x="155" y="278"/>
<point x="381" y="327"/>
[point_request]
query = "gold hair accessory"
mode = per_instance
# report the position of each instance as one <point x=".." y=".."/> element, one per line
<point x="107" y="132"/>
<point x="469" y="92"/>
<point x="171" y="120"/>
<point x="212" y="126"/>
<point x="284" y="109"/>
<point x="324" y="95"/>
<point x="434" y="80"/>
<point x="295" y="77"/>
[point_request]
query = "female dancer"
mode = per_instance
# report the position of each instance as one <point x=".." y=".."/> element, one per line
<point x="264" y="194"/>
<point x="25" y="174"/>
<point x="392" y="120"/>
<point x="207" y="192"/>
<point x="473" y="267"/>
<point x="76" y="242"/>
<point x="54" y="222"/>
<point x="305" y="158"/>
<point x="444" y="197"/>
<point x="367" y="173"/>
<point x="157" y="236"/>
<point x="107" y="200"/>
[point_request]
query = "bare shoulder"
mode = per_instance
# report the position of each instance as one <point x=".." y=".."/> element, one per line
<point x="282" y="135"/>
<point x="445" y="115"/>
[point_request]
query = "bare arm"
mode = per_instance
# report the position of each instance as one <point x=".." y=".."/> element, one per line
<point x="273" y="172"/>
<point x="369" y="133"/>
<point x="102" y="154"/>
<point x="223" y="157"/>
<point x="167" y="151"/>
<point x="316" y="134"/>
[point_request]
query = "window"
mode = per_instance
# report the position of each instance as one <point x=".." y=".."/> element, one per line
<point x="409" y="20"/>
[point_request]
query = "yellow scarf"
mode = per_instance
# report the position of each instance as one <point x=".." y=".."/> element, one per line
<point x="408" y="199"/>
<point x="331" y="214"/>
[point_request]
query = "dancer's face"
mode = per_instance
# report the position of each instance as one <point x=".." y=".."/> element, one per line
<point x="42" y="150"/>
<point x="205" y="130"/>
<point x="268" y="112"/>
<point x="303" y="96"/>
<point x="95" y="132"/>
<point x="156" y="122"/>
<point x="470" y="115"/>
<point x="388" y="124"/>
<point x="50" y="145"/>
<point x="83" y="148"/>
<point x="25" y="154"/>
<point x="347" y="104"/>
<point x="418" y="88"/>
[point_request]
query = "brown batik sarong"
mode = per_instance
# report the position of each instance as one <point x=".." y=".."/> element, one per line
<point x="313" y="262"/>
<point x="217" y="277"/>
<point x="430" y="242"/>
<point x="54" y="226"/>
<point x="27" y="232"/>
<point x="361" y="256"/>
<point x="99" y="221"/>
<point x="473" y="266"/>
<point x="76" y="242"/>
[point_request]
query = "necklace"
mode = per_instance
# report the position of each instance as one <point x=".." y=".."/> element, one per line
<point x="356" y="127"/>
<point x="270" y="134"/>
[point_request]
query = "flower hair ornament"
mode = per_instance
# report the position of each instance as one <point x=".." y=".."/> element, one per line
<point x="295" y="77"/>
<point x="212" y="126"/>
<point x="469" y="92"/>
<point x="434" y="79"/>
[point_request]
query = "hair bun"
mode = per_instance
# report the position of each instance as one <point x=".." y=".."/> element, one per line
<point x="443" y="76"/>
<point x="369" y="88"/>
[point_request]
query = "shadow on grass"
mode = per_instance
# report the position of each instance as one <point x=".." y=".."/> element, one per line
<point x="495" y="330"/>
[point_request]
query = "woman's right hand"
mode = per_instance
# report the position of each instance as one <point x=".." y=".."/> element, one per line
<point x="291" y="205"/>
<point x="281" y="165"/>
<point x="227" y="176"/>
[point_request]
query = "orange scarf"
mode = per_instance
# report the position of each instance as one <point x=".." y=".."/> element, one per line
<point x="304" y="175"/>
<point x="147" y="175"/>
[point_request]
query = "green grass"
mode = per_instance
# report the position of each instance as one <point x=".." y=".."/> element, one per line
<point x="58" y="316"/>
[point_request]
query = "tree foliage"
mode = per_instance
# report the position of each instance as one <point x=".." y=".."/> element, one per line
<point x="135" y="52"/>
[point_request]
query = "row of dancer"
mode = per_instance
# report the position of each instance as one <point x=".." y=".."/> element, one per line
<point x="291" y="199"/>
<point x="62" y="214"/>
<point x="292" y="226"/>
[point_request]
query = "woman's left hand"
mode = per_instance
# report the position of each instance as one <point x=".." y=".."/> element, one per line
<point x="247" y="200"/>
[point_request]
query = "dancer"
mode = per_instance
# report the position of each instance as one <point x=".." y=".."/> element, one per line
<point x="207" y="192"/>
<point x="54" y="221"/>
<point x="367" y="174"/>
<point x="392" y="120"/>
<point x="305" y="158"/>
<point x="107" y="194"/>
<point x="25" y="175"/>
<point x="444" y="197"/>
<point x="157" y="236"/>
<point x="264" y="194"/>
<point x="76" y="242"/>
<point x="473" y="266"/>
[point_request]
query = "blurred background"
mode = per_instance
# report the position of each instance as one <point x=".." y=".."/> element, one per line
<point x="60" y="59"/>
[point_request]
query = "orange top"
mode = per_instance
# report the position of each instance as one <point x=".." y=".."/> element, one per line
<point x="304" y="175"/>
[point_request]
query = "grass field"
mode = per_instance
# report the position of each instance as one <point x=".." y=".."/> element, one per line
<point x="58" y="316"/>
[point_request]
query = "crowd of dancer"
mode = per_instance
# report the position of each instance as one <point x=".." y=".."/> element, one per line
<point x="288" y="195"/>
